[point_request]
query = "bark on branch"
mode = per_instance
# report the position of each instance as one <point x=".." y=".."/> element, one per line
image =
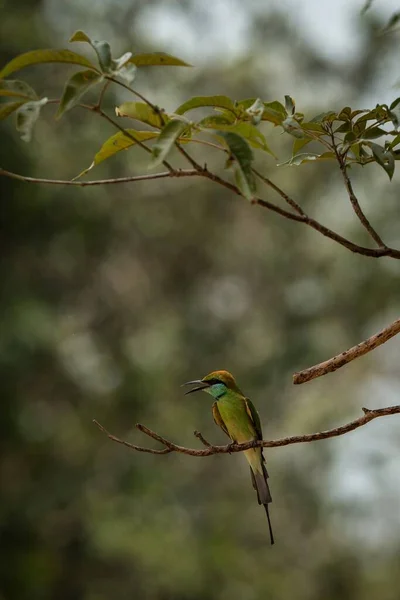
<point x="210" y="449"/>
<point x="347" y="356"/>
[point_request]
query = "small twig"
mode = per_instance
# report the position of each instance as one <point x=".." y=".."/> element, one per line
<point x="369" y="415"/>
<point x="302" y="217"/>
<point x="353" y="198"/>
<point x="342" y="359"/>
<point x="132" y="179"/>
<point x="156" y="436"/>
<point x="357" y="208"/>
<point x="130" y="136"/>
<point x="101" y="97"/>
<point x="128" y="444"/>
<point x="281" y="193"/>
<point x="188" y="157"/>
<point x="135" y="93"/>
<point x="202" y="439"/>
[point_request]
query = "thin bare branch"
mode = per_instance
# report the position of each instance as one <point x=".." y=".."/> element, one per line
<point x="353" y="198"/>
<point x="281" y="193"/>
<point x="202" y="439"/>
<point x="204" y="172"/>
<point x="347" y="356"/>
<point x="188" y="157"/>
<point x="302" y="217"/>
<point x="128" y="444"/>
<point x="133" y="178"/>
<point x="357" y="208"/>
<point x="101" y="97"/>
<point x="135" y="93"/>
<point x="369" y="415"/>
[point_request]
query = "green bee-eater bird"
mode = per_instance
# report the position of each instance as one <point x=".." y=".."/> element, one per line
<point x="238" y="418"/>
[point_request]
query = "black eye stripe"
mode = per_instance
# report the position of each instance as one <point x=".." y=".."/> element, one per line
<point x="215" y="381"/>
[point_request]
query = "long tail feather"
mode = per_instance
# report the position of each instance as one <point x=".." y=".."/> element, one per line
<point x="260" y="484"/>
<point x="271" y="535"/>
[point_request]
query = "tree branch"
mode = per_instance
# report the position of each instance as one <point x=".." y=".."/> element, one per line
<point x="210" y="449"/>
<point x="281" y="193"/>
<point x="133" y="178"/>
<point x="353" y="198"/>
<point x="300" y="216"/>
<point x="348" y="355"/>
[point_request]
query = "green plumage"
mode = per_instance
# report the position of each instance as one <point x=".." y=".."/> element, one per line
<point x="238" y="418"/>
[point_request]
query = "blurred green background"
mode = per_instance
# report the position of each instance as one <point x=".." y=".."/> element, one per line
<point x="112" y="297"/>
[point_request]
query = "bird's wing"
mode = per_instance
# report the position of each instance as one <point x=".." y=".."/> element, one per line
<point x="254" y="416"/>
<point x="218" y="419"/>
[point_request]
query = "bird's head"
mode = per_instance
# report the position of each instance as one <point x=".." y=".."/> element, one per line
<point x="217" y="383"/>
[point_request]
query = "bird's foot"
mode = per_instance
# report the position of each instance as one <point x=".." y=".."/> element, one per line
<point x="231" y="445"/>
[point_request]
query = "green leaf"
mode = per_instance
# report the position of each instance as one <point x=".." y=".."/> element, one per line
<point x="344" y="127"/>
<point x="200" y="101"/>
<point x="101" y="48"/>
<point x="215" y="122"/>
<point x="299" y="144"/>
<point x="157" y="59"/>
<point x="249" y="132"/>
<point x="394" y="19"/>
<point x="8" y="108"/>
<point x="290" y="105"/>
<point x="395" y="141"/>
<point x="127" y="73"/>
<point x="314" y="127"/>
<point x="374" y="132"/>
<point x="80" y="36"/>
<point x="141" y="112"/>
<point x="103" y="52"/>
<point x="290" y="125"/>
<point x="384" y="158"/>
<point x="274" y="112"/>
<point x="167" y="138"/>
<point x="76" y="86"/>
<point x="356" y="150"/>
<point x="350" y="137"/>
<point x="118" y="63"/>
<point x="355" y="113"/>
<point x="345" y="114"/>
<point x="255" y="111"/>
<point x="382" y="111"/>
<point x="16" y="88"/>
<point x="394" y="115"/>
<point x="243" y="155"/>
<point x="116" y="143"/>
<point x="27" y="115"/>
<point x="370" y="115"/>
<point x="359" y="128"/>
<point x="325" y="117"/>
<point x="307" y="157"/>
<point x="36" y="57"/>
<point x="123" y="69"/>
<point x="246" y="103"/>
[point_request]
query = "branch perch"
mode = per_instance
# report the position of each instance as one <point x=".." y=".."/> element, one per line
<point x="334" y="363"/>
<point x="210" y="449"/>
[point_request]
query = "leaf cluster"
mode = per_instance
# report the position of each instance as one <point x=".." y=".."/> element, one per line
<point x="235" y="127"/>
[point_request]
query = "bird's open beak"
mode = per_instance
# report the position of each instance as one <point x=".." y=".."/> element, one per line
<point x="200" y="385"/>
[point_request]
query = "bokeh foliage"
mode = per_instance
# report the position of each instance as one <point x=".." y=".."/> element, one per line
<point x="112" y="297"/>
